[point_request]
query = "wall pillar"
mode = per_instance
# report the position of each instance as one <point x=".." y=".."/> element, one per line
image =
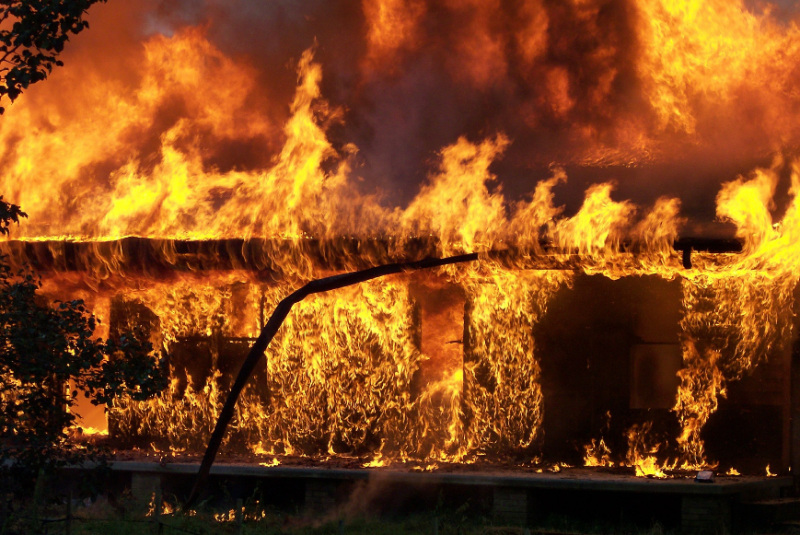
<point x="513" y="506"/>
<point x="320" y="496"/>
<point x="793" y="415"/>
<point x="705" y="514"/>
<point x="144" y="485"/>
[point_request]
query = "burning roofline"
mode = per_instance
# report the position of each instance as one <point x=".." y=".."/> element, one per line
<point x="150" y="257"/>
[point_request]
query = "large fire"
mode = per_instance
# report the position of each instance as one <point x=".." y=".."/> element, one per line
<point x="180" y="141"/>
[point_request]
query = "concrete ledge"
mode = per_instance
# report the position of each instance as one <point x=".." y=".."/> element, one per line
<point x="568" y="479"/>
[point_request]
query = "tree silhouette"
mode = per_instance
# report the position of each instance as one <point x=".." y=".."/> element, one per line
<point x="44" y="351"/>
<point x="34" y="34"/>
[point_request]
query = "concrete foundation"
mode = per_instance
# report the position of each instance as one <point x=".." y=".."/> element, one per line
<point x="513" y="506"/>
<point x="320" y="497"/>
<point x="706" y="514"/>
<point x="144" y="485"/>
<point x="516" y="499"/>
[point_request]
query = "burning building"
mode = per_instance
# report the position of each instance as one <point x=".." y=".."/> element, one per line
<point x="179" y="177"/>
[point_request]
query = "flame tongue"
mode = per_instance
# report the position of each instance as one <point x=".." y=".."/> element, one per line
<point x="344" y="372"/>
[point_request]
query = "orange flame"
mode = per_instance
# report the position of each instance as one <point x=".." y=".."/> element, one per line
<point x="343" y="374"/>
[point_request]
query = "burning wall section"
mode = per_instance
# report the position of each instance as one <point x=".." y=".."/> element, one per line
<point x="506" y="362"/>
<point x="347" y="374"/>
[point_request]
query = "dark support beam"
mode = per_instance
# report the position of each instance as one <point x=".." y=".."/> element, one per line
<point x="786" y="410"/>
<point x="794" y="394"/>
<point x="687" y="258"/>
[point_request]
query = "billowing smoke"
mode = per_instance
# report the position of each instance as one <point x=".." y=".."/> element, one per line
<point x="665" y="98"/>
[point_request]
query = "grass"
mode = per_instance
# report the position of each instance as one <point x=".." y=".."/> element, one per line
<point x="129" y="517"/>
<point x="413" y="525"/>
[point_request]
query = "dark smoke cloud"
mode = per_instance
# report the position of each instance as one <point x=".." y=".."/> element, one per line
<point x="782" y="10"/>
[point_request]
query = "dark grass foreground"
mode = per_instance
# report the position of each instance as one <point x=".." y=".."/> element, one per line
<point x="128" y="516"/>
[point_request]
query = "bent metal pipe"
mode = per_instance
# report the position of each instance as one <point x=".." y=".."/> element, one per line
<point x="271" y="329"/>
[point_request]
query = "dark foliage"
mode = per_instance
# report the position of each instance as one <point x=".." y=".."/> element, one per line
<point x="48" y="354"/>
<point x="34" y="33"/>
<point x="9" y="213"/>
